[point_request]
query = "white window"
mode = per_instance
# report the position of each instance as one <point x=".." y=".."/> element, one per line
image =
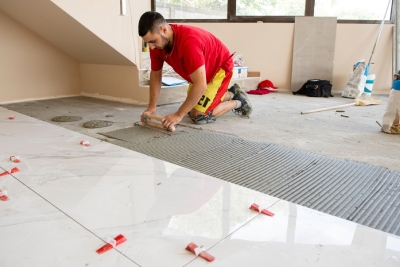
<point x="346" y="11"/>
<point x="352" y="9"/>
<point x="270" y="7"/>
<point x="192" y="9"/>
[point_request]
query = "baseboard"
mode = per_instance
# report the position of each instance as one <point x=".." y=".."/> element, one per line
<point x="115" y="99"/>
<point x="35" y="99"/>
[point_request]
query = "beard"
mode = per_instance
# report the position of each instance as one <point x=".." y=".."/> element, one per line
<point x="165" y="44"/>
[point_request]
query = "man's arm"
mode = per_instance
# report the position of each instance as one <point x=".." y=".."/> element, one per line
<point x="155" y="87"/>
<point x="198" y="78"/>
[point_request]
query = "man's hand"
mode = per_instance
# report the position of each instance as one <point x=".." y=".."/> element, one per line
<point x="170" y="120"/>
<point x="149" y="110"/>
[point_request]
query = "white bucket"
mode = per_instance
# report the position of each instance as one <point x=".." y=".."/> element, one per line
<point x="369" y="84"/>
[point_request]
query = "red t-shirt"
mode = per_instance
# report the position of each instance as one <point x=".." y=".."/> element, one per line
<point x="193" y="47"/>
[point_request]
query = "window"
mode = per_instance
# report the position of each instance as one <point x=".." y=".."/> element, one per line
<point x="270" y="7"/>
<point x="195" y="9"/>
<point x="351" y="11"/>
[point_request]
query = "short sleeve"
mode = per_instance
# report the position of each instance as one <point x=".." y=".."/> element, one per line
<point x="156" y="60"/>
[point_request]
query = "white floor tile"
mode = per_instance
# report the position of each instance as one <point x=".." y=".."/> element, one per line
<point x="298" y="236"/>
<point x="34" y="233"/>
<point x="72" y="196"/>
<point x="158" y="206"/>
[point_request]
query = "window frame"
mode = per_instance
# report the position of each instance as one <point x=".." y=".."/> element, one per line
<point x="309" y="11"/>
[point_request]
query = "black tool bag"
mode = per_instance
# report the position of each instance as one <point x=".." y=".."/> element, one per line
<point x="316" y="88"/>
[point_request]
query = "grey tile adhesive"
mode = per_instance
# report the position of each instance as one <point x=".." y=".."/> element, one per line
<point x="362" y="193"/>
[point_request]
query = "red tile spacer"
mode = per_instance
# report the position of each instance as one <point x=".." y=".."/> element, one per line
<point x="267" y="212"/>
<point x="13" y="170"/>
<point x="85" y="143"/>
<point x="3" y="195"/>
<point x="255" y="207"/>
<point x="119" y="239"/>
<point x="15" y="159"/>
<point x="192" y="247"/>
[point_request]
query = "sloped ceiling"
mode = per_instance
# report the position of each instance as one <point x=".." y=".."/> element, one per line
<point x="57" y="27"/>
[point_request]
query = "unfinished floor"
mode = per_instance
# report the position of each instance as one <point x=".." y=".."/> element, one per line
<point x="367" y="194"/>
<point x="276" y="119"/>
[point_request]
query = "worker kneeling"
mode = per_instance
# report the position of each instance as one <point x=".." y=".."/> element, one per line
<point x="200" y="58"/>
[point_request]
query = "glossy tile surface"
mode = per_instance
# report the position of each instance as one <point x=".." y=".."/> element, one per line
<point x="158" y="206"/>
<point x="35" y="233"/>
<point x="70" y="197"/>
<point x="298" y="236"/>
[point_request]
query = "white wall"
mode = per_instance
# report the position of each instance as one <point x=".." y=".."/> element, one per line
<point x="268" y="47"/>
<point x="102" y="17"/>
<point x="32" y="68"/>
<point x="97" y="41"/>
<point x="112" y="82"/>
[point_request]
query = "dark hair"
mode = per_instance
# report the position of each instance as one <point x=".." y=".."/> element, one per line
<point x="150" y="21"/>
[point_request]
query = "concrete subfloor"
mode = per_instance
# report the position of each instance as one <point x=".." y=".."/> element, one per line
<point x="276" y="119"/>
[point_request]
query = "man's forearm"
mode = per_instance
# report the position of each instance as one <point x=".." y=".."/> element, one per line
<point x="155" y="87"/>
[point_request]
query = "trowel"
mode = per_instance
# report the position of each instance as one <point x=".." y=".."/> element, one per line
<point x="154" y="122"/>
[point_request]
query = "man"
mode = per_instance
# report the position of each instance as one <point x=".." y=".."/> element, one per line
<point x="200" y="58"/>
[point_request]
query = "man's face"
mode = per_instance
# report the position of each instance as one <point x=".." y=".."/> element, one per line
<point x="156" y="40"/>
